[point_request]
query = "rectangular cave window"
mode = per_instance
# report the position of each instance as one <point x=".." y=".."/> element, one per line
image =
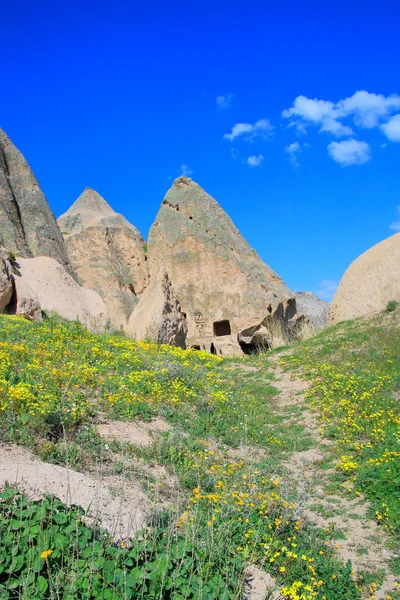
<point x="222" y="328"/>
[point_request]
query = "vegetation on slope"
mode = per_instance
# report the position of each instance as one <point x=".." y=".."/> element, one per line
<point x="354" y="369"/>
<point x="56" y="379"/>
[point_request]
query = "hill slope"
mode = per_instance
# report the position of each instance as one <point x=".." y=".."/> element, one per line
<point x="284" y="462"/>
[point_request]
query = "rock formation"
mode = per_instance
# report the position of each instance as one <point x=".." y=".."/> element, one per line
<point x="107" y="254"/>
<point x="6" y="279"/>
<point x="231" y="300"/>
<point x="34" y="266"/>
<point x="159" y="316"/>
<point x="314" y="309"/>
<point x="43" y="284"/>
<point x="27" y="225"/>
<point x="369" y="283"/>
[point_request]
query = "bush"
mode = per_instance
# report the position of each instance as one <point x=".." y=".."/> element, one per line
<point x="391" y="306"/>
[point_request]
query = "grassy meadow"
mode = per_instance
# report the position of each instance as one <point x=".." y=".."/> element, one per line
<point x="227" y="447"/>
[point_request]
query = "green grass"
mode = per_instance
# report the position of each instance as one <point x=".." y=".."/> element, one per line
<point x="57" y="379"/>
<point x="354" y="369"/>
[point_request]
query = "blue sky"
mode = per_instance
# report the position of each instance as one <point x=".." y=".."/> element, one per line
<point x="284" y="112"/>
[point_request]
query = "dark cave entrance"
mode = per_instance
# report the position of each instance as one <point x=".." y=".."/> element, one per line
<point x="222" y="328"/>
<point x="253" y="348"/>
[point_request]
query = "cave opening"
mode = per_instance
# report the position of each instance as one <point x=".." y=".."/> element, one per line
<point x="253" y="348"/>
<point x="222" y="328"/>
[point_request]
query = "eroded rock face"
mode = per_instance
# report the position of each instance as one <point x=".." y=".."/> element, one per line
<point x="6" y="279"/>
<point x="231" y="299"/>
<point x="27" y="225"/>
<point x="158" y="316"/>
<point x="107" y="254"/>
<point x="42" y="283"/>
<point x="25" y="302"/>
<point x="369" y="283"/>
<point x="314" y="309"/>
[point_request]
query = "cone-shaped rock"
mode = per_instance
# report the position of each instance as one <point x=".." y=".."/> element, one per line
<point x="27" y="225"/>
<point x="370" y="282"/>
<point x="230" y="298"/>
<point x="107" y="254"/>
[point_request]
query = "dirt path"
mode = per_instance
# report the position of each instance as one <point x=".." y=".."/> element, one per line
<point x="354" y="536"/>
<point x="118" y="503"/>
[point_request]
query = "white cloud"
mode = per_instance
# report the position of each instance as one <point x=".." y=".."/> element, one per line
<point x="336" y="128"/>
<point x="317" y="112"/>
<point x="224" y="102"/>
<point x="392" y="129"/>
<point x="395" y="225"/>
<point x="349" y="152"/>
<point x="234" y="153"/>
<point x="366" y="110"/>
<point x="249" y="132"/>
<point x="255" y="161"/>
<point x="326" y="289"/>
<point x="310" y="110"/>
<point x="293" y="150"/>
<point x="186" y="170"/>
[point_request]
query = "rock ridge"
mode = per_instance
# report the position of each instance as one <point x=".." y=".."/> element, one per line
<point x="27" y="225"/>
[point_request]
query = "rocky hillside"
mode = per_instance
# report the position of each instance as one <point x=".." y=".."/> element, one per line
<point x="199" y="284"/>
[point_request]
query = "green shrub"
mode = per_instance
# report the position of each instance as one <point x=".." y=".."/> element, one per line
<point x="392" y="305"/>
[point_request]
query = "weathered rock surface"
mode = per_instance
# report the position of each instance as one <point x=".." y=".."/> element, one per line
<point x="369" y="283"/>
<point x="25" y="301"/>
<point x="314" y="309"/>
<point x="27" y="225"/>
<point x="158" y="316"/>
<point x="107" y="254"/>
<point x="6" y="280"/>
<point x="231" y="299"/>
<point x="46" y="282"/>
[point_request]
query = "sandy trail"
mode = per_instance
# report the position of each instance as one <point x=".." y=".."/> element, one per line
<point x="350" y="517"/>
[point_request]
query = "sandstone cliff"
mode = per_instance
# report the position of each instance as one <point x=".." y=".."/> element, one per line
<point x="107" y="254"/>
<point x="314" y="309"/>
<point x="369" y="283"/>
<point x="43" y="284"/>
<point x="231" y="300"/>
<point x="27" y="225"/>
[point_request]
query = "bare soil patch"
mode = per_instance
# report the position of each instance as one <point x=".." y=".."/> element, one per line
<point x="118" y="505"/>
<point x="260" y="585"/>
<point x="137" y="433"/>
